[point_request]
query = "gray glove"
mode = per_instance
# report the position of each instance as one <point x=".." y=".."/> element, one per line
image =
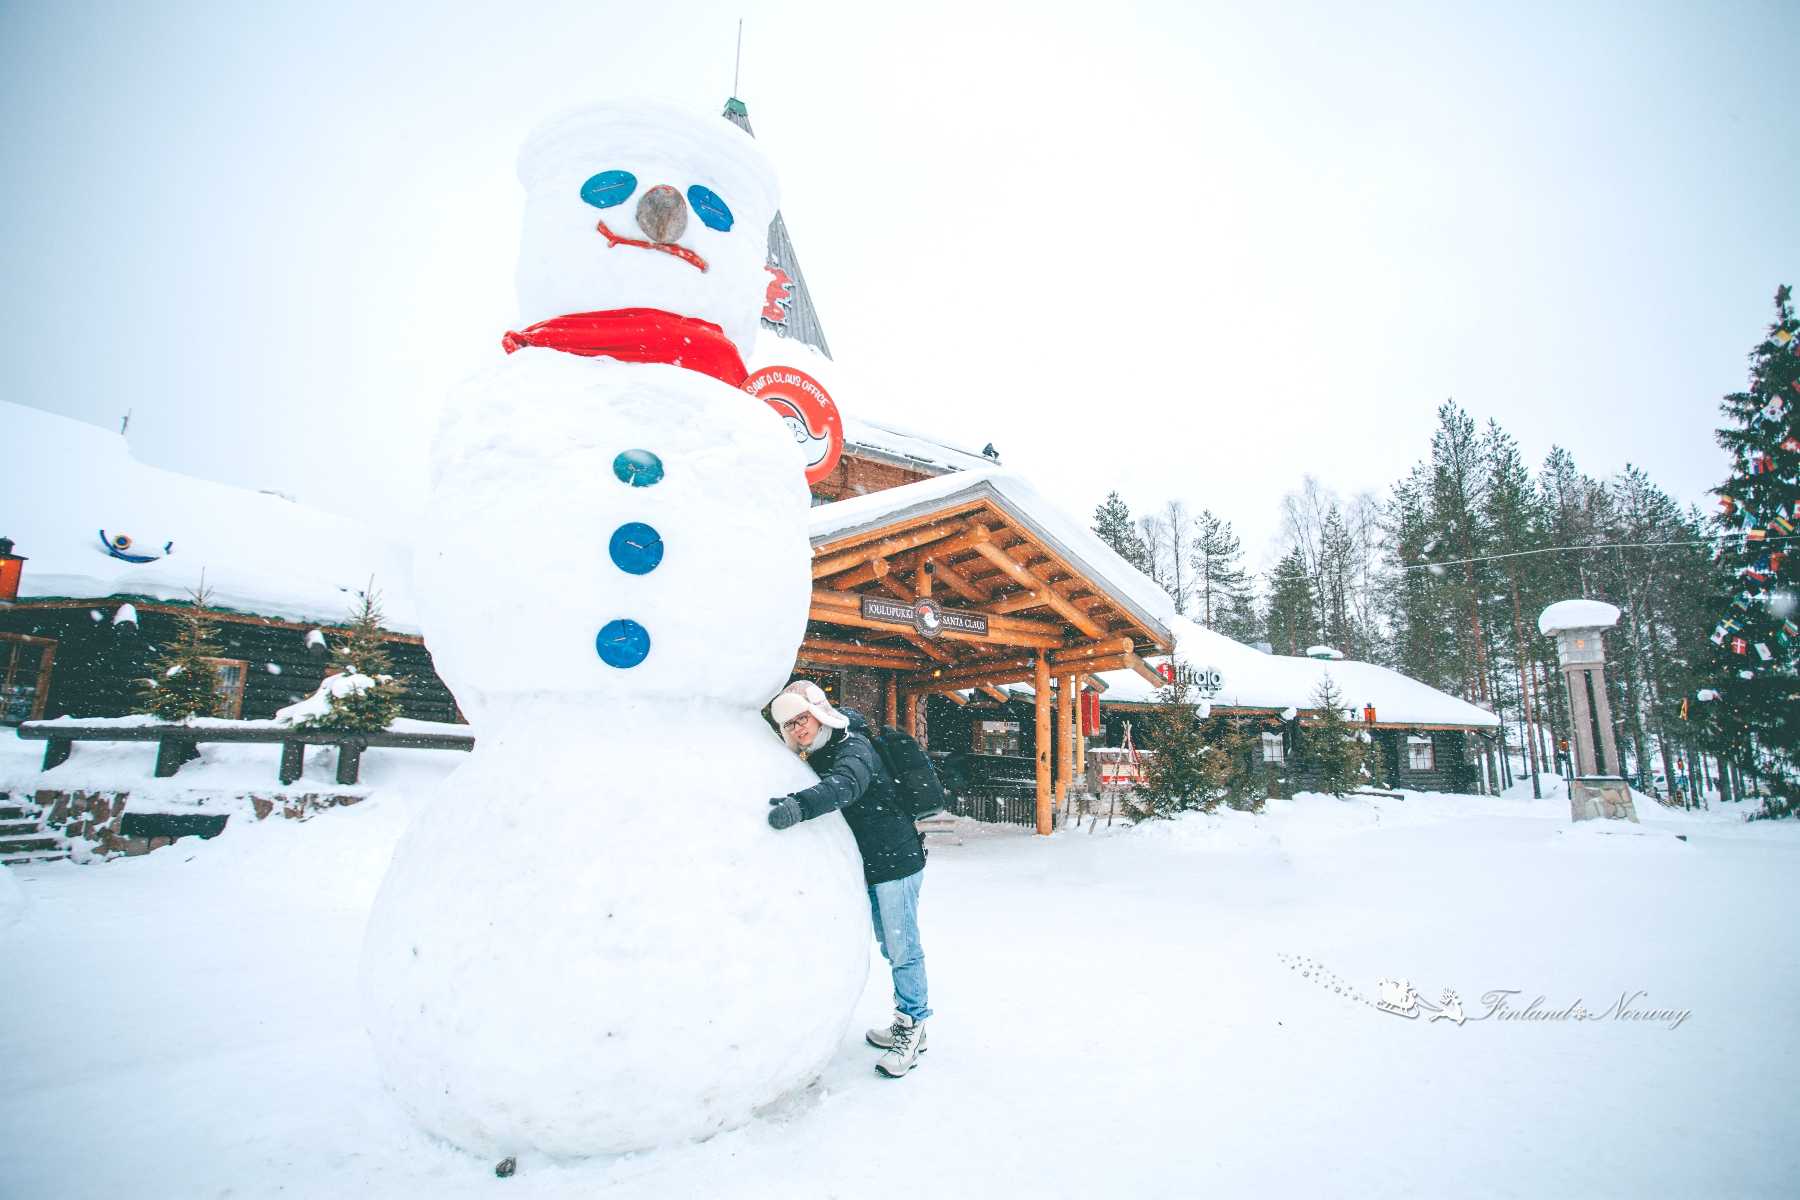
<point x="785" y="811"/>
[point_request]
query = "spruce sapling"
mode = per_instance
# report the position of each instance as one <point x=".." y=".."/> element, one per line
<point x="183" y="683"/>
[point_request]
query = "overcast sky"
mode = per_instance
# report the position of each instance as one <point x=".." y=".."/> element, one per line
<point x="1182" y="250"/>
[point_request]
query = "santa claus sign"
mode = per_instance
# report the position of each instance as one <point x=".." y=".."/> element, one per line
<point x="809" y="412"/>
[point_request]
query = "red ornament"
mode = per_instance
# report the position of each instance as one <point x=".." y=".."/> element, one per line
<point x="809" y="412"/>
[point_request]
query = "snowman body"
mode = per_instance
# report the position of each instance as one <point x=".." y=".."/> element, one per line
<point x="590" y="940"/>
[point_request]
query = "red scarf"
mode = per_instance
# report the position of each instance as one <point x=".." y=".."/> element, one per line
<point x="643" y="335"/>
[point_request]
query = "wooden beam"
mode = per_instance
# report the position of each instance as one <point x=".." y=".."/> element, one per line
<point x="1026" y="579"/>
<point x="898" y="590"/>
<point x="966" y="674"/>
<point x="905" y="657"/>
<point x="832" y="564"/>
<point x="1078" y="655"/>
<point x="955" y="697"/>
<point x="1147" y="671"/>
<point x="949" y="575"/>
<point x="874" y="568"/>
<point x="909" y="560"/>
<point x="1042" y="700"/>
<point x="930" y="649"/>
<point x="921" y="579"/>
<point x="892" y="716"/>
<point x="992" y="692"/>
<point x="912" y="716"/>
<point x="838" y="658"/>
<point x="940" y="686"/>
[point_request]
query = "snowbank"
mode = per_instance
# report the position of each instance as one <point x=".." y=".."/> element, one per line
<point x="1577" y="614"/>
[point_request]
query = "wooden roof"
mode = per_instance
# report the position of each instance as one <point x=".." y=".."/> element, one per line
<point x="976" y="553"/>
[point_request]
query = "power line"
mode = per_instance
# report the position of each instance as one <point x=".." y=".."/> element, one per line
<point x="1457" y="562"/>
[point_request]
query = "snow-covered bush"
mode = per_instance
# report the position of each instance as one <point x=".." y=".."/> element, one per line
<point x="363" y="695"/>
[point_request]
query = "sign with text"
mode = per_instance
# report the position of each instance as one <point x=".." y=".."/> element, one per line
<point x="811" y="415"/>
<point x="927" y="617"/>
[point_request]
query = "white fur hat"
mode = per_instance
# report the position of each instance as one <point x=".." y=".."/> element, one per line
<point x="802" y="696"/>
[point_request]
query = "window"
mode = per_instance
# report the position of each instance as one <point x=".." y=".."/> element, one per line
<point x="232" y="674"/>
<point x="1418" y="753"/>
<point x="997" y="737"/>
<point x="24" y="676"/>
<point x="1273" y="749"/>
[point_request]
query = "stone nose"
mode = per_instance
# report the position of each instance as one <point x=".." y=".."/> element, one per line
<point x="662" y="214"/>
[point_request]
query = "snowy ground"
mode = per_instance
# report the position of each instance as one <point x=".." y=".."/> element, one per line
<point x="1117" y="1015"/>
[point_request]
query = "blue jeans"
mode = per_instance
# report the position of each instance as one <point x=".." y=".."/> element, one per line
<point x="895" y="908"/>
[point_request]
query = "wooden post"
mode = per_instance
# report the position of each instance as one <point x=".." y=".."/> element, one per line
<point x="912" y="715"/>
<point x="922" y="579"/>
<point x="892" y="715"/>
<point x="293" y="761"/>
<point x="1041" y="688"/>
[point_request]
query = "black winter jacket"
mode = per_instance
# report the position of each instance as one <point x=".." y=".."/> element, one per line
<point x="852" y="779"/>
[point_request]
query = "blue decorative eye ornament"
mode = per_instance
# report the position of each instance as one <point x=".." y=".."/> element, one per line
<point x="708" y="207"/>
<point x="609" y="188"/>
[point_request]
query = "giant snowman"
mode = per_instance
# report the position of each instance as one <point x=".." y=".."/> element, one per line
<point x="590" y="941"/>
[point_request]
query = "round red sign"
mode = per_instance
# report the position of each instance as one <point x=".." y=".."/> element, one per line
<point x="809" y="412"/>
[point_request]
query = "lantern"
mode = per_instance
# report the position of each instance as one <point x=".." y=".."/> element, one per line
<point x="1368" y="714"/>
<point x="10" y="566"/>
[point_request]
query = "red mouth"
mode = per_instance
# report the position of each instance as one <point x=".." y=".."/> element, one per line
<point x="681" y="252"/>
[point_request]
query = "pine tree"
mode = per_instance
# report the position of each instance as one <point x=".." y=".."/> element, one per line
<point x="1332" y="748"/>
<point x="1114" y="524"/>
<point x="362" y="694"/>
<point x="1755" y="667"/>
<point x="1175" y="776"/>
<point x="1220" y="584"/>
<point x="1291" y="611"/>
<point x="183" y="683"/>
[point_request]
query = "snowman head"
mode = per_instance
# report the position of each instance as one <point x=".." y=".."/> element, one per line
<point x="645" y="204"/>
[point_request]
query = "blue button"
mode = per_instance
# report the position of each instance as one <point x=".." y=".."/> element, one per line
<point x="623" y="643"/>
<point x="639" y="468"/>
<point x="636" y="548"/>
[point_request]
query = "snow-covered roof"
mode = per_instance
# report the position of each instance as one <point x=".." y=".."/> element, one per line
<point x="906" y="447"/>
<point x="1251" y="679"/>
<point x="1577" y="614"/>
<point x="66" y="480"/>
<point x="1045" y="521"/>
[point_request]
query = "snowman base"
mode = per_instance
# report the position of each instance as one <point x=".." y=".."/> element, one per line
<point x="651" y="964"/>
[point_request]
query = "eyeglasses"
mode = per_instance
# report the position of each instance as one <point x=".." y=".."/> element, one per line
<point x="794" y="725"/>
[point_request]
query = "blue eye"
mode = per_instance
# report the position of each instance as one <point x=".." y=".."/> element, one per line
<point x="609" y="188"/>
<point x="710" y="209"/>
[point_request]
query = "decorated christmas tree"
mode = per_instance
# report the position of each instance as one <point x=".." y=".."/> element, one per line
<point x="183" y="683"/>
<point x="362" y="694"/>
<point x="1755" y="720"/>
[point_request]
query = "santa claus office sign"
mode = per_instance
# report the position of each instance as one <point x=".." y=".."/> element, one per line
<point x="810" y="414"/>
<point x="927" y="617"/>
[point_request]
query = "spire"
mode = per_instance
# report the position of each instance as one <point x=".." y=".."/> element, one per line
<point x="789" y="311"/>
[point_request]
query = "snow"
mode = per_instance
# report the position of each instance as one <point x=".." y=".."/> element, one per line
<point x="259" y="554"/>
<point x="1021" y="502"/>
<point x="565" y="263"/>
<point x="317" y="707"/>
<point x="1577" y="614"/>
<point x="1252" y="679"/>
<point x="197" y="1007"/>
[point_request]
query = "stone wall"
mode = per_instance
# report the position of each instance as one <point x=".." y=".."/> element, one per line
<point x="91" y="823"/>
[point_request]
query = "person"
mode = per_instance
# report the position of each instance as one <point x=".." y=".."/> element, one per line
<point x="835" y="743"/>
